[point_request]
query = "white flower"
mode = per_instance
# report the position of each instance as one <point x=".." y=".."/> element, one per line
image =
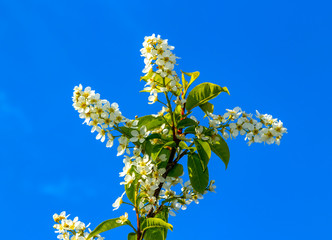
<point x="236" y="129"/>
<point x="149" y="185"/>
<point x="162" y="158"/>
<point x="131" y="123"/>
<point x="196" y="196"/>
<point x="129" y="179"/>
<point x="157" y="174"/>
<point x="94" y="123"/>
<point x="144" y="171"/>
<point x="137" y="151"/>
<point x="63" y="236"/>
<point x="194" y="118"/>
<point x="253" y="134"/>
<point x="101" y="134"/>
<point x="80" y="226"/>
<point x="139" y="136"/>
<point x="173" y="214"/>
<point x="199" y="133"/>
<point x="118" y="202"/>
<point x="126" y="170"/>
<point x="110" y="140"/>
<point x="123" y="143"/>
<point x="179" y="101"/>
<point x="161" y="113"/>
<point x="153" y="96"/>
<point x="214" y="123"/>
<point x="123" y="219"/>
<point x="58" y="218"/>
<point x="266" y="119"/>
<point x="278" y="129"/>
<point x="212" y="187"/>
<point x="78" y="237"/>
<point x="267" y="136"/>
<point x="232" y="114"/>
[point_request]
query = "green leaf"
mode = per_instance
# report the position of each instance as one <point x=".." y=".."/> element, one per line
<point x="170" y="144"/>
<point x="155" y="234"/>
<point x="147" y="146"/>
<point x="177" y="113"/>
<point x="127" y="131"/>
<point x="157" y="150"/>
<point x="190" y="130"/>
<point x="131" y="190"/>
<point x="221" y="149"/>
<point x="168" y="118"/>
<point x="155" y="223"/>
<point x="198" y="178"/>
<point x="158" y="233"/>
<point x="105" y="226"/>
<point x="150" y="122"/>
<point x="193" y="75"/>
<point x="132" y="236"/>
<point x="207" y="107"/>
<point x="176" y="171"/>
<point x="202" y="93"/>
<point x="163" y="214"/>
<point x="186" y="123"/>
<point x="152" y="75"/>
<point x="204" y="152"/>
<point x="153" y="136"/>
<point x="183" y="145"/>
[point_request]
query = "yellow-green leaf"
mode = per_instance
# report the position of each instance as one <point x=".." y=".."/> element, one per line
<point x="158" y="233"/>
<point x="150" y="122"/>
<point x="207" y="107"/>
<point x="193" y="75"/>
<point x="131" y="190"/>
<point x="202" y="93"/>
<point x="105" y="226"/>
<point x="155" y="223"/>
<point x="184" y="81"/>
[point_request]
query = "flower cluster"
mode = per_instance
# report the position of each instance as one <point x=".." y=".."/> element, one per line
<point x="157" y="52"/>
<point x="68" y="229"/>
<point x="102" y="116"/>
<point x="163" y="78"/>
<point x="264" y="129"/>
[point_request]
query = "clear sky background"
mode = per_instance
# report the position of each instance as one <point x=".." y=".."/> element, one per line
<point x="274" y="56"/>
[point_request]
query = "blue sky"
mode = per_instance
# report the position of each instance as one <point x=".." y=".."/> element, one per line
<point x="274" y="56"/>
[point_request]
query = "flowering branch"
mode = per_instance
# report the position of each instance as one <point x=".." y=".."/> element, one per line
<point x="154" y="145"/>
